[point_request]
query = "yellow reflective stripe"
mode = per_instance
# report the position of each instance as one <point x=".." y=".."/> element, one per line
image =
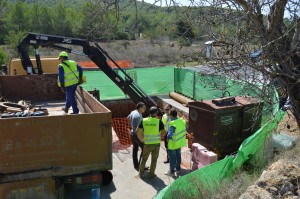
<point x="69" y="80"/>
<point x="175" y="134"/>
<point x="183" y="136"/>
<point x="70" y="73"/>
<point x="152" y="138"/>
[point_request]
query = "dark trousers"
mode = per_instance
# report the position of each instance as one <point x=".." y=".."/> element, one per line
<point x="70" y="98"/>
<point x="136" y="144"/>
<point x="166" y="145"/>
<point x="175" y="159"/>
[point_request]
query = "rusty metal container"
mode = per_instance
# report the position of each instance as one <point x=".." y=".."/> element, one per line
<point x="215" y="127"/>
<point x="39" y="188"/>
<point x="53" y="145"/>
<point x="251" y="114"/>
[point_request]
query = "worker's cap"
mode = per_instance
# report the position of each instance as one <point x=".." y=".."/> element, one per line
<point x="63" y="54"/>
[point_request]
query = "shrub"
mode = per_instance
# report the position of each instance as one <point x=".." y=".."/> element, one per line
<point x="3" y="56"/>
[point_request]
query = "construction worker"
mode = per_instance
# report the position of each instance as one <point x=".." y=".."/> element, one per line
<point x="135" y="118"/>
<point x="69" y="76"/>
<point x="176" y="140"/>
<point x="166" y="119"/>
<point x="149" y="132"/>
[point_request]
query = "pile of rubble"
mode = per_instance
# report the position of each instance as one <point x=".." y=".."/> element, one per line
<point x="280" y="180"/>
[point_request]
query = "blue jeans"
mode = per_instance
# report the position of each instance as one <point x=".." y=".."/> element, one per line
<point x="175" y="159"/>
<point x="70" y="98"/>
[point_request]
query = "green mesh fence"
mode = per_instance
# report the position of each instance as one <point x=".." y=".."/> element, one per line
<point x="162" y="80"/>
<point x="200" y="86"/>
<point x="153" y="81"/>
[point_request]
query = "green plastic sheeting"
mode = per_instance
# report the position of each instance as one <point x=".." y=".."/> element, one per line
<point x="162" y="80"/>
<point x="201" y="87"/>
<point x="153" y="81"/>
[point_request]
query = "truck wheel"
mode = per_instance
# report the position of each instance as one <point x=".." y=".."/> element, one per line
<point x="106" y="177"/>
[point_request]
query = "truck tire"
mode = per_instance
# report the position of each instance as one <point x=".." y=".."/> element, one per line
<point x="106" y="178"/>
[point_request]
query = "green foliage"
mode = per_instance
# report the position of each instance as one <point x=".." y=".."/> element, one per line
<point x="13" y="39"/>
<point x="121" y="36"/>
<point x="185" y="30"/>
<point x="18" y="17"/>
<point x="3" y="56"/>
<point x="185" y="42"/>
<point x="3" y="26"/>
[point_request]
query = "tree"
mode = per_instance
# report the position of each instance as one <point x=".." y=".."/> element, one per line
<point x="247" y="25"/>
<point x="3" y="12"/>
<point x="18" y="17"/>
<point x="46" y="25"/>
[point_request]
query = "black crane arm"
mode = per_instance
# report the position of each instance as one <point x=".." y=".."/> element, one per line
<point x="95" y="53"/>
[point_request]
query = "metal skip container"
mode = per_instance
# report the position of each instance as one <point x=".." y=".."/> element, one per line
<point x="215" y="125"/>
<point x="251" y="114"/>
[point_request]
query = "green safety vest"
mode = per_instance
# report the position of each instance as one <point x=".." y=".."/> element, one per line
<point x="69" y="76"/>
<point x="179" y="136"/>
<point x="151" y="130"/>
<point x="165" y="122"/>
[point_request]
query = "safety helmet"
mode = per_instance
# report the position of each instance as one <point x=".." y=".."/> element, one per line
<point x="63" y="54"/>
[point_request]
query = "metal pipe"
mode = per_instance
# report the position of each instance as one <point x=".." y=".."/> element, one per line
<point x="180" y="98"/>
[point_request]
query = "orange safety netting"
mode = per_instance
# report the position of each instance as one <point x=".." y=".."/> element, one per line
<point x="122" y="129"/>
<point x="189" y="137"/>
<point x="120" y="63"/>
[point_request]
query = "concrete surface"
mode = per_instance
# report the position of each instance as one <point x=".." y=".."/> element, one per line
<point x="126" y="183"/>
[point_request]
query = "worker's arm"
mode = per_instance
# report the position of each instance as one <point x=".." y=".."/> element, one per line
<point x="162" y="128"/>
<point x="61" y="78"/>
<point x="140" y="132"/>
<point x="128" y="119"/>
<point x="171" y="132"/>
<point x="140" y="135"/>
<point x="80" y="71"/>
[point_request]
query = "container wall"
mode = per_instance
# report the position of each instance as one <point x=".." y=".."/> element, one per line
<point x="39" y="188"/>
<point x="61" y="145"/>
<point x="30" y="87"/>
<point x="215" y="127"/>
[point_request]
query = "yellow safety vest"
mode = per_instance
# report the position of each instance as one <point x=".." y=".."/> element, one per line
<point x="70" y="77"/>
<point x="179" y="136"/>
<point x="151" y="130"/>
<point x="165" y="122"/>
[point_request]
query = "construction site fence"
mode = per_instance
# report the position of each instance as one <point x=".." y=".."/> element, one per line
<point x="198" y="86"/>
<point x="153" y="81"/>
<point x="201" y="86"/>
<point x="208" y="179"/>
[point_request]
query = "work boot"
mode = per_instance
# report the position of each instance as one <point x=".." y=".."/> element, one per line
<point x="152" y="176"/>
<point x="64" y="109"/>
<point x="170" y="173"/>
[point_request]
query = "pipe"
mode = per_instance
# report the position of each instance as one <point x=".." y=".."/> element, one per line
<point x="180" y="98"/>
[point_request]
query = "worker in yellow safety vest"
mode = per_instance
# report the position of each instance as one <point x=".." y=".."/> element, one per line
<point x="69" y="76"/>
<point x="149" y="132"/>
<point x="166" y="120"/>
<point x="176" y="139"/>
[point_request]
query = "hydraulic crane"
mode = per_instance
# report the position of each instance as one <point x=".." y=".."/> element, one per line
<point x="95" y="53"/>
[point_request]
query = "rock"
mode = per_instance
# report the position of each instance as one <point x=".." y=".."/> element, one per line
<point x="254" y="192"/>
<point x="280" y="180"/>
<point x="286" y="187"/>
